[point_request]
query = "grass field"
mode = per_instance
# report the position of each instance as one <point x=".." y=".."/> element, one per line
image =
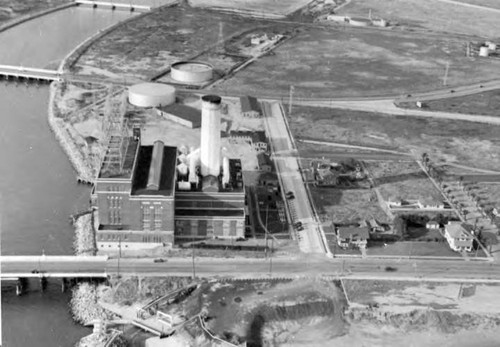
<point x="417" y="248"/>
<point x="263" y="7"/>
<point x="150" y="44"/>
<point x="403" y="180"/>
<point x="333" y="63"/>
<point x="466" y="143"/>
<point x="483" y="104"/>
<point x="485" y="3"/>
<point x="430" y="14"/>
<point x="11" y="9"/>
<point x="348" y="205"/>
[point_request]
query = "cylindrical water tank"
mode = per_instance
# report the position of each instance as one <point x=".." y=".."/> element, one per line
<point x="191" y="72"/>
<point x="210" y="135"/>
<point x="484" y="51"/>
<point x="151" y="95"/>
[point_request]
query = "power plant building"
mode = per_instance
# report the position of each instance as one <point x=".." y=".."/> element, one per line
<point x="158" y="195"/>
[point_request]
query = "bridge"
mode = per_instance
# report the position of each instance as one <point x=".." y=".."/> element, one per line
<point x="113" y="5"/>
<point x="29" y="73"/>
<point x="14" y="267"/>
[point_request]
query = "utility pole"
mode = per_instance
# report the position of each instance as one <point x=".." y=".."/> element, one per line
<point x="292" y="89"/>
<point x="445" y="78"/>
<point x="119" y="253"/>
<point x="271" y="258"/>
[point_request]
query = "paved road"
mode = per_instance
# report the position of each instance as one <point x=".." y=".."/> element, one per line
<point x="285" y="159"/>
<point x="309" y="265"/>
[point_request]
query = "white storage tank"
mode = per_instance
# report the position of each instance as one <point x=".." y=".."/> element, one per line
<point x="151" y="95"/>
<point x="484" y="51"/>
<point x="191" y="72"/>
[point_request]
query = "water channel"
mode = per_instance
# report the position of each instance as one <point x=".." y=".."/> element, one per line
<point x="38" y="189"/>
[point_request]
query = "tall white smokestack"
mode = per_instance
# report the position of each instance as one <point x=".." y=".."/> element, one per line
<point x="210" y="135"/>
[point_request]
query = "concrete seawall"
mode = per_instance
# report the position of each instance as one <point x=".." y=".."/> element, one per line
<point x="27" y="17"/>
<point x="68" y="145"/>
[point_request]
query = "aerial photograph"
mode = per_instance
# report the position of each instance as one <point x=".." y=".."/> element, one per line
<point x="250" y="173"/>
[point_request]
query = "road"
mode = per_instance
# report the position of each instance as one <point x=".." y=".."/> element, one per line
<point x="287" y="167"/>
<point x="308" y="265"/>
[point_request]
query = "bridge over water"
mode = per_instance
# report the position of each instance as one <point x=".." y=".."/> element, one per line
<point x="14" y="267"/>
<point x="29" y="73"/>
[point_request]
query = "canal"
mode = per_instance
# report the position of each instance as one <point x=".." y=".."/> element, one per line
<point x="38" y="189"/>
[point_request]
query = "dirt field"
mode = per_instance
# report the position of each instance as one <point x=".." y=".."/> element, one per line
<point x="429" y="14"/>
<point x="465" y="143"/>
<point x="333" y="63"/>
<point x="403" y="180"/>
<point x="263" y="7"/>
<point x="147" y="45"/>
<point x="417" y="248"/>
<point x="348" y="205"/>
<point x="483" y="104"/>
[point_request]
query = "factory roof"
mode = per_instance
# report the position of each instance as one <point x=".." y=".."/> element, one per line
<point x="182" y="111"/>
<point x="113" y="170"/>
<point x="249" y="103"/>
<point x="255" y="136"/>
<point x="140" y="180"/>
<point x="210" y="212"/>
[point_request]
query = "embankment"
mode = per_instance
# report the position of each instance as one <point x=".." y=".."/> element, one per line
<point x="70" y="145"/>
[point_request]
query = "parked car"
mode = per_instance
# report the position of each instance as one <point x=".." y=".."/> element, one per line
<point x="289" y="195"/>
<point x="159" y="260"/>
<point x="298" y="225"/>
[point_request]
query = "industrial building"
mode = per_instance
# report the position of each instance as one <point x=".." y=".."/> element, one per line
<point x="256" y="139"/>
<point x="155" y="195"/>
<point x="185" y="115"/>
<point x="250" y="107"/>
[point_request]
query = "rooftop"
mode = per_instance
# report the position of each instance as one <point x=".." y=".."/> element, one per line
<point x="249" y="103"/>
<point x="457" y="230"/>
<point x="182" y="111"/>
<point x="113" y="169"/>
<point x="210" y="212"/>
<point x="140" y="181"/>
<point x="355" y="232"/>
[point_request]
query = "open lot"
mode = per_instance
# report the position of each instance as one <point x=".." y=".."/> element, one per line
<point x="403" y="180"/>
<point x="348" y="205"/>
<point x="12" y="9"/>
<point x="483" y="104"/>
<point x="485" y="3"/>
<point x="333" y="63"/>
<point x="149" y="44"/>
<point x="411" y="248"/>
<point x="429" y="14"/>
<point x="258" y="7"/>
<point x="465" y="143"/>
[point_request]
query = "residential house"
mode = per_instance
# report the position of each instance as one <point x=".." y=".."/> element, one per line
<point x="432" y="225"/>
<point x="352" y="236"/>
<point x="250" y="107"/>
<point x="374" y="225"/>
<point x="458" y="237"/>
<point x="265" y="163"/>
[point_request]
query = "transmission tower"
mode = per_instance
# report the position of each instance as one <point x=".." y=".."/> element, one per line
<point x="116" y="130"/>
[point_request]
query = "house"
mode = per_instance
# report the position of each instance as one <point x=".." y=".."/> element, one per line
<point x="432" y="225"/>
<point x="250" y="107"/>
<point x="265" y="163"/>
<point x="259" y="141"/>
<point x="258" y="39"/>
<point x="374" y="225"/>
<point x="269" y="179"/>
<point x="352" y="236"/>
<point x="457" y="236"/>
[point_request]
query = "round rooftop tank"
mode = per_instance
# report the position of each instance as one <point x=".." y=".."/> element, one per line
<point x="191" y="72"/>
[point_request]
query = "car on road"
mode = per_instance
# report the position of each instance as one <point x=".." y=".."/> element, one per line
<point x="300" y="228"/>
<point x="391" y="269"/>
<point x="290" y="195"/>
<point x="159" y="260"/>
<point x="297" y="225"/>
<point x="452" y="91"/>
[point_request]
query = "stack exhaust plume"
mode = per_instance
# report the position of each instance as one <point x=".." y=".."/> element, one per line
<point x="210" y="135"/>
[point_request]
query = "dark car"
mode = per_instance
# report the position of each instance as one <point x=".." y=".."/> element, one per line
<point x="390" y="269"/>
<point x="298" y="224"/>
<point x="159" y="260"/>
<point x="289" y="195"/>
<point x="300" y="228"/>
